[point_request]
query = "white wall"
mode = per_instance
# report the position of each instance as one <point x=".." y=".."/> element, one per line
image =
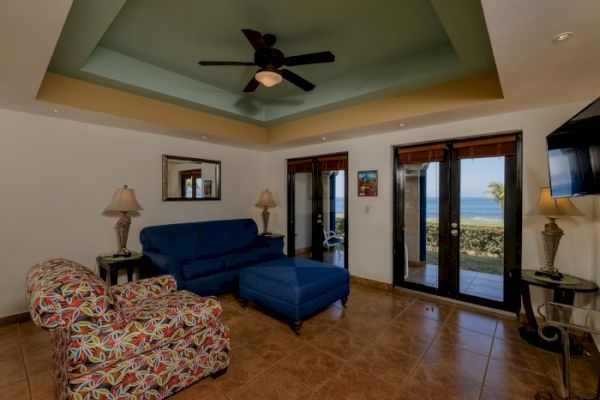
<point x="57" y="176"/>
<point x="370" y="234"/>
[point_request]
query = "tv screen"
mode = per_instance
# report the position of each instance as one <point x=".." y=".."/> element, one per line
<point x="574" y="154"/>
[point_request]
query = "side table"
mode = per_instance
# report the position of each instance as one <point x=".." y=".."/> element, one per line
<point x="563" y="317"/>
<point x="563" y="293"/>
<point x="109" y="264"/>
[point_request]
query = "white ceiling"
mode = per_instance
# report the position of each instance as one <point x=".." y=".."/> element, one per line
<point x="534" y="71"/>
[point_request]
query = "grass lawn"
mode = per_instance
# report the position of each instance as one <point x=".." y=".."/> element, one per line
<point x="490" y="265"/>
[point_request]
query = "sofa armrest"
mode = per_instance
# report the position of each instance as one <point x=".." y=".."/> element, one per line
<point x="275" y="244"/>
<point x="131" y="293"/>
<point x="167" y="265"/>
<point x="156" y="323"/>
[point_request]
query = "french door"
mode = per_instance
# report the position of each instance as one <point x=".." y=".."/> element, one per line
<point x="318" y="208"/>
<point x="457" y="228"/>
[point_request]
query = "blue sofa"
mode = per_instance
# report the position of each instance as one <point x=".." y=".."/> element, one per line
<point x="206" y="257"/>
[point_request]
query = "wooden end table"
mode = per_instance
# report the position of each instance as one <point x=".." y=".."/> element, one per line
<point x="110" y="265"/>
<point x="562" y="293"/>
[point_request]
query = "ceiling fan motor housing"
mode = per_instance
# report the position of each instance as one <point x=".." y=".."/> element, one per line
<point x="268" y="58"/>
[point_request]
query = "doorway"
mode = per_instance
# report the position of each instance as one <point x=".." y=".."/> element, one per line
<point x="457" y="229"/>
<point x="318" y="208"/>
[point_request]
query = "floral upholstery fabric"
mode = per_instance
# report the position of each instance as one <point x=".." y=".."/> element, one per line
<point x="131" y="293"/>
<point x="154" y="341"/>
<point x="61" y="292"/>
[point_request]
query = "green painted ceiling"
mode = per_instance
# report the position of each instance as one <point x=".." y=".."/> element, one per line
<point x="382" y="48"/>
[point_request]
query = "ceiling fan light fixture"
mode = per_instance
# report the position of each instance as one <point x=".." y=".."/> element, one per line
<point x="268" y="77"/>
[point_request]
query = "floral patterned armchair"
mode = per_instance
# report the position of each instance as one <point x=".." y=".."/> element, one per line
<point x="141" y="340"/>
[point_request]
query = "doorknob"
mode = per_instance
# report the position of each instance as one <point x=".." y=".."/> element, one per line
<point x="454" y="232"/>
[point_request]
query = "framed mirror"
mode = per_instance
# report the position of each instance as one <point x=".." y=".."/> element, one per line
<point x="190" y="179"/>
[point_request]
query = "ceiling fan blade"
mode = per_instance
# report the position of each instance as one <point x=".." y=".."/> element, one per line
<point x="296" y="80"/>
<point x="255" y="38"/>
<point x="251" y="86"/>
<point x="311" y="58"/>
<point x="225" y="63"/>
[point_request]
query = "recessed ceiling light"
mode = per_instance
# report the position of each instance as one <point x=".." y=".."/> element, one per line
<point x="323" y="138"/>
<point x="55" y="111"/>
<point x="203" y="137"/>
<point x="561" y="37"/>
<point x="401" y="124"/>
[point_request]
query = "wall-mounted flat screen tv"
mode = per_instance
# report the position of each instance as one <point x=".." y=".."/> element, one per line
<point x="574" y="154"/>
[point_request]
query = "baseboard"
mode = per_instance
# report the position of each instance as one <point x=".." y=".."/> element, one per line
<point x="15" y="318"/>
<point x="370" y="283"/>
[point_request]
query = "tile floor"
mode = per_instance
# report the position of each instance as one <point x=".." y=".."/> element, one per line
<point x="480" y="284"/>
<point x="382" y="346"/>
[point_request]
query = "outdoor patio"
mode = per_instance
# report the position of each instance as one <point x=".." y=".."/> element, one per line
<point x="480" y="284"/>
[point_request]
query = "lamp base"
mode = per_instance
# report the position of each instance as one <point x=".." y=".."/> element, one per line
<point x="265" y="216"/>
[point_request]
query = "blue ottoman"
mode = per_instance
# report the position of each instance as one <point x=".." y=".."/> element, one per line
<point x="294" y="287"/>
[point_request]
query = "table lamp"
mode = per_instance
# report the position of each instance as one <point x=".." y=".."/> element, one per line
<point x="266" y="201"/>
<point x="123" y="201"/>
<point x="552" y="209"/>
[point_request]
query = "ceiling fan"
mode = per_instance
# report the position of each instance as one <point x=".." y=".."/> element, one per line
<point x="270" y="60"/>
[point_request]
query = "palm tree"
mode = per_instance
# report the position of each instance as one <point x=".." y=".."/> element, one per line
<point x="496" y="190"/>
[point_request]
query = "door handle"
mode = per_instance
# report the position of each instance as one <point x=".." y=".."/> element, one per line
<point x="454" y="232"/>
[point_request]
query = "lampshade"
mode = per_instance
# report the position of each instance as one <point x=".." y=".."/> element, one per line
<point x="553" y="208"/>
<point x="268" y="77"/>
<point x="124" y="200"/>
<point x="266" y="199"/>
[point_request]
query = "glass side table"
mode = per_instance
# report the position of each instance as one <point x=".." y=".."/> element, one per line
<point x="562" y="318"/>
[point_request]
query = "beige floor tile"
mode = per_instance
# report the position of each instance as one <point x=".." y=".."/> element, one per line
<point x="275" y="384"/>
<point x="390" y="365"/>
<point x="15" y="391"/>
<point x="340" y="343"/>
<point x="243" y="366"/>
<point x="311" y="366"/>
<point x="42" y="386"/>
<point x="355" y="384"/>
<point x="510" y="380"/>
<point x="465" y="339"/>
<point x="473" y="320"/>
<point x="275" y="344"/>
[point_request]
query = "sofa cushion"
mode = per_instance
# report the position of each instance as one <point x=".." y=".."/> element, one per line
<point x="240" y="260"/>
<point x="176" y="240"/>
<point x="202" y="267"/>
<point x="219" y="237"/>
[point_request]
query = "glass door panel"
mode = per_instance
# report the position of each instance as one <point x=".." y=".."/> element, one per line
<point x="421" y="223"/>
<point x="334" y="212"/>
<point x="303" y="214"/>
<point x="481" y="254"/>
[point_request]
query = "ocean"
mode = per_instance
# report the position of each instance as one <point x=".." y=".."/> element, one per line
<point x="470" y="207"/>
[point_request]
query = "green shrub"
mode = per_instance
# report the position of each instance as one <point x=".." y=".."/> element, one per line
<point x="475" y="240"/>
<point x="339" y="226"/>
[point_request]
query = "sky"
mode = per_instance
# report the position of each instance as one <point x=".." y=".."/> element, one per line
<point x="475" y="175"/>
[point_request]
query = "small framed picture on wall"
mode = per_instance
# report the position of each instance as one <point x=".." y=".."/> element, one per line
<point x="207" y="188"/>
<point x="367" y="183"/>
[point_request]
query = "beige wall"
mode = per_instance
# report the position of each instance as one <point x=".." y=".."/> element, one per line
<point x="57" y="176"/>
<point x="370" y="234"/>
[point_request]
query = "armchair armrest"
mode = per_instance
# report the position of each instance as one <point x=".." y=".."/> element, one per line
<point x="131" y="293"/>
<point x="153" y="325"/>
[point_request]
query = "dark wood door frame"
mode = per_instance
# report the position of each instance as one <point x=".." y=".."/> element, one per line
<point x="317" y="209"/>
<point x="449" y="251"/>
